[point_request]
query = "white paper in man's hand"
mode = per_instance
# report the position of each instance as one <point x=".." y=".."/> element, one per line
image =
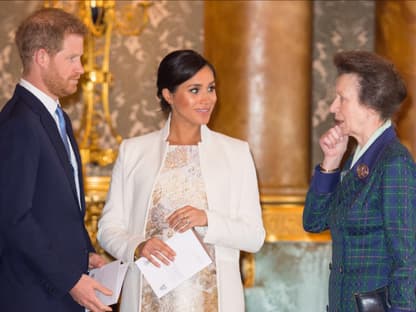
<point x="111" y="276"/>
<point x="191" y="258"/>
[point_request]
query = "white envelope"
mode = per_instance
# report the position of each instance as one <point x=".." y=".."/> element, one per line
<point x="111" y="276"/>
<point x="191" y="258"/>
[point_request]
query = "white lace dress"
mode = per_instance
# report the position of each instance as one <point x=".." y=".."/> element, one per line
<point x="179" y="184"/>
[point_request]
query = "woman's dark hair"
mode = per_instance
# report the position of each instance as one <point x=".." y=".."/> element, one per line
<point x="176" y="68"/>
<point x="380" y="85"/>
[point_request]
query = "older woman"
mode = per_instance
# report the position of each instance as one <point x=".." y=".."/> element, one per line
<point x="370" y="204"/>
<point x="181" y="177"/>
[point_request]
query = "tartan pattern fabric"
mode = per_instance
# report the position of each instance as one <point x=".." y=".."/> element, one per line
<point x="373" y="226"/>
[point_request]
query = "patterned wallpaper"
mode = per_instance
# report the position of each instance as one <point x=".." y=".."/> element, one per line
<point x="173" y="25"/>
<point x="338" y="25"/>
<point x="134" y="60"/>
<point x="179" y="24"/>
<point x="11" y="13"/>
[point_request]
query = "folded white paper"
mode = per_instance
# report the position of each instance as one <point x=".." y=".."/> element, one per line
<point x="191" y="258"/>
<point x="111" y="276"/>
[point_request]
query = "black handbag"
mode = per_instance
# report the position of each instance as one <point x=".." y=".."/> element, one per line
<point x="373" y="301"/>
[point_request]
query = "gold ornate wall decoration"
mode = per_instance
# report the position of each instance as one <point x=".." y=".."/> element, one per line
<point x="97" y="137"/>
<point x="102" y="19"/>
<point x="282" y="218"/>
<point x="96" y="192"/>
<point x="248" y="269"/>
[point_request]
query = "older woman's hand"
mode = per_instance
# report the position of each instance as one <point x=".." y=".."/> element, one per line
<point x="186" y="218"/>
<point x="154" y="248"/>
<point x="333" y="144"/>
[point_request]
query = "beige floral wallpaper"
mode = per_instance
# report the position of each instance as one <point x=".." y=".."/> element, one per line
<point x="11" y="13"/>
<point x="134" y="61"/>
<point x="338" y="25"/>
<point x="178" y="24"/>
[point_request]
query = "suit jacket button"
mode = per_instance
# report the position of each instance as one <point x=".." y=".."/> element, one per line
<point x="341" y="270"/>
<point x="330" y="266"/>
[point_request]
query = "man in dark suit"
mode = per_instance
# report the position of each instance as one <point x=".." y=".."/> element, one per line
<point x="45" y="250"/>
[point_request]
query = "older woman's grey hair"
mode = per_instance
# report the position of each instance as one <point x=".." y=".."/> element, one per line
<point x="380" y="85"/>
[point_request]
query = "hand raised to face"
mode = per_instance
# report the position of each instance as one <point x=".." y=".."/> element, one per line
<point x="333" y="144"/>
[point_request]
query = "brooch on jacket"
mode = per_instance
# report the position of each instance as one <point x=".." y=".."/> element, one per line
<point x="362" y="171"/>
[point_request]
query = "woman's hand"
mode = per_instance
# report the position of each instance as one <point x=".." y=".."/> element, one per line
<point x="333" y="144"/>
<point x="186" y="218"/>
<point x="154" y="248"/>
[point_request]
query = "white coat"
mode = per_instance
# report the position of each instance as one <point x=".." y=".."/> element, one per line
<point x="234" y="213"/>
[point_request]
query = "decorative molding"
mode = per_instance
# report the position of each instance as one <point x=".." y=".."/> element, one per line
<point x="248" y="269"/>
<point x="96" y="189"/>
<point x="282" y="218"/>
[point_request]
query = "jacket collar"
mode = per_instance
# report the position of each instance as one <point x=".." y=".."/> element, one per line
<point x="364" y="166"/>
<point x="205" y="132"/>
<point x="52" y="131"/>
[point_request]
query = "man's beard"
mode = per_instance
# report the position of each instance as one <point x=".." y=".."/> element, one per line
<point x="57" y="85"/>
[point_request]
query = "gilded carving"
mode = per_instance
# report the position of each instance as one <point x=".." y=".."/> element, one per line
<point x="96" y="192"/>
<point x="282" y="217"/>
<point x="248" y="269"/>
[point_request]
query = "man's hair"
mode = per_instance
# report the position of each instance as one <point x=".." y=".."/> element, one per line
<point x="46" y="29"/>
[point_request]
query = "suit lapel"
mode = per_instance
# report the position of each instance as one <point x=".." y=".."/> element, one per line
<point x="353" y="182"/>
<point x="369" y="159"/>
<point x="52" y="131"/>
<point x="78" y="159"/>
<point x="215" y="170"/>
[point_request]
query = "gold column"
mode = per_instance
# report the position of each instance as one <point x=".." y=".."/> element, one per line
<point x="396" y="40"/>
<point x="262" y="53"/>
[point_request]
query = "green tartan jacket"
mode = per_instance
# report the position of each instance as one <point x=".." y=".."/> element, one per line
<point x="370" y="210"/>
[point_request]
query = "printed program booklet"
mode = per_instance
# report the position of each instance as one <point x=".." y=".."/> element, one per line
<point x="111" y="276"/>
<point x="191" y="257"/>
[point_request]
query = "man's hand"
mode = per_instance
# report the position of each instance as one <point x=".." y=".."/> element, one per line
<point x="84" y="293"/>
<point x="95" y="261"/>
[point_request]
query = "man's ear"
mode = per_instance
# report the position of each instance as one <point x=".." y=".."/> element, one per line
<point x="167" y="95"/>
<point x="41" y="57"/>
